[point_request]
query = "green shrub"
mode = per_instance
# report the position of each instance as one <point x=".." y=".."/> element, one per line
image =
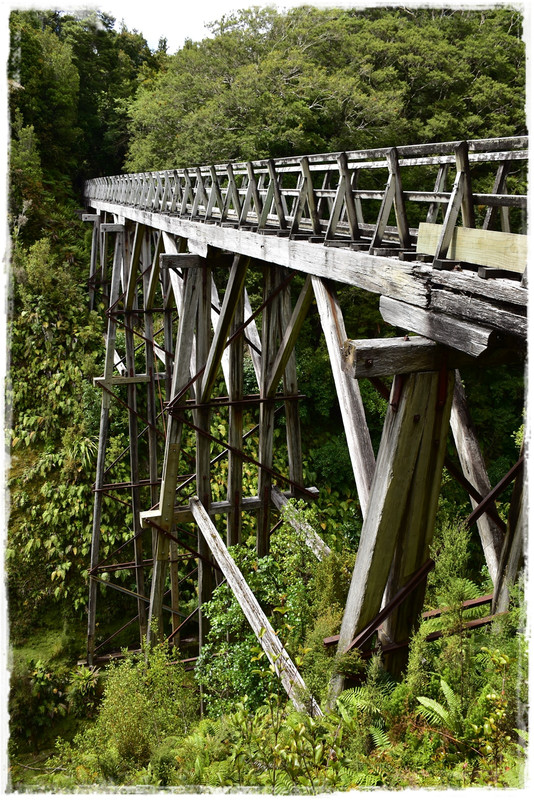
<point x="147" y="699"/>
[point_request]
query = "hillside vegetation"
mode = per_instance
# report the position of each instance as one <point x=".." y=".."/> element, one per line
<point x="89" y="100"/>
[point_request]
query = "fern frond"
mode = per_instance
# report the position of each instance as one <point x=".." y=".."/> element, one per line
<point x="359" y="779"/>
<point x="283" y="784"/>
<point x="471" y="590"/>
<point x="452" y="700"/>
<point x="433" y="712"/>
<point x="380" y="738"/>
<point x="357" y="700"/>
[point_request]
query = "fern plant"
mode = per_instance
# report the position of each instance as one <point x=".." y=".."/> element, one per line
<point x="361" y="710"/>
<point x="437" y="714"/>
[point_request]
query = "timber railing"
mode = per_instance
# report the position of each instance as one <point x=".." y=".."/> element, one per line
<point x="344" y="199"/>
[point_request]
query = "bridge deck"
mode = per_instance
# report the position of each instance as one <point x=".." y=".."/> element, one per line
<point x="350" y="218"/>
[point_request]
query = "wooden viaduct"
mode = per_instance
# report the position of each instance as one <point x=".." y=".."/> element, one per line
<point x="435" y="231"/>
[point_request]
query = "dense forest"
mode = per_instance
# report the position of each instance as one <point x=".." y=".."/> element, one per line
<point x="86" y="100"/>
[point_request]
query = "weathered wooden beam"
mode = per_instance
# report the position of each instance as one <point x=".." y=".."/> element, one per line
<point x="272" y="278"/>
<point x="96" y="523"/>
<point x="95" y="241"/>
<point x="439" y="186"/>
<point x="236" y="282"/>
<point x="112" y="227"/>
<point x="124" y="380"/>
<point x="350" y="402"/>
<point x="442" y="328"/>
<point x="372" y="627"/>
<point x="513" y="551"/>
<point x="133" y="438"/>
<point x="179" y="260"/>
<point x="235" y="427"/>
<point x="496" y="491"/>
<point x="118" y="258"/>
<point x="451" y="215"/>
<point x="254" y="339"/>
<point x="313" y="540"/>
<point x="287" y="318"/>
<point x="418" y="518"/>
<point x="201" y="418"/>
<point x="404" y="442"/>
<point x="463" y="166"/>
<point x="378" y="274"/>
<point x="478" y="246"/>
<point x="180" y="379"/>
<point x="474" y="469"/>
<point x="398" y="200"/>
<point x="133" y="266"/>
<point x="478" y="311"/>
<point x="249" y="504"/>
<point x="290" y="337"/>
<point x="468" y="284"/>
<point x="271" y="644"/>
<point x="377" y="358"/>
<point x="499" y="187"/>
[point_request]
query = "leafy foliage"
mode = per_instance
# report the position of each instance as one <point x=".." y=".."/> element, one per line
<point x="318" y="80"/>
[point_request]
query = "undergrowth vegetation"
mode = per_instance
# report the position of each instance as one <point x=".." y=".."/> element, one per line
<point x="456" y="718"/>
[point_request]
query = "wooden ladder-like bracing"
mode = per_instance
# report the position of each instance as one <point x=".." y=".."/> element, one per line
<point x="207" y="277"/>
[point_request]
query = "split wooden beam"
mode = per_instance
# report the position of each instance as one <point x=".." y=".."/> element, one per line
<point x="403" y="496"/>
<point x="311" y="537"/>
<point x="460" y="334"/>
<point x="400" y="355"/>
<point x="275" y="651"/>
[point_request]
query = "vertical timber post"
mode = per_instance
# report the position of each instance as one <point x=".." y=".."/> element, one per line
<point x="417" y="524"/>
<point x="202" y="422"/>
<point x="102" y="446"/>
<point x="397" y="486"/>
<point x="269" y="330"/>
<point x="171" y="460"/>
<point x="235" y="429"/>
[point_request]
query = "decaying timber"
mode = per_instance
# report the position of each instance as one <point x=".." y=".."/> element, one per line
<point x="202" y="369"/>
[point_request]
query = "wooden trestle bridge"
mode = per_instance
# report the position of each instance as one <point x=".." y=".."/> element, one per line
<point x="437" y="231"/>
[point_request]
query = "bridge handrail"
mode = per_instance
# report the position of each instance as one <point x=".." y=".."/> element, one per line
<point x="321" y="195"/>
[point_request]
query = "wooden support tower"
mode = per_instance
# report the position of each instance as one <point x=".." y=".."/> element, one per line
<point x="201" y="375"/>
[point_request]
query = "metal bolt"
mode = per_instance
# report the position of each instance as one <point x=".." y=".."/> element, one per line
<point x="417" y="417"/>
<point x="368" y="362"/>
